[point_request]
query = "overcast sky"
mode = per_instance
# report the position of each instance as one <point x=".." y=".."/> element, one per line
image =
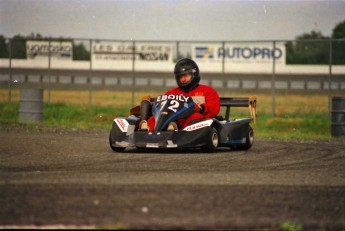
<point x="197" y="20"/>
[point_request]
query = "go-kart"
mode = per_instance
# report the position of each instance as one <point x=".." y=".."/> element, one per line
<point x="207" y="134"/>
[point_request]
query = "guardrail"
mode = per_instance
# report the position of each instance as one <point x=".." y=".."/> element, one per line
<point x="72" y="79"/>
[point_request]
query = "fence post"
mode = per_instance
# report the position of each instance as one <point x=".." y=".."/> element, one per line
<point x="49" y="67"/>
<point x="330" y="76"/>
<point x="273" y="79"/>
<point x="10" y="71"/>
<point x="223" y="70"/>
<point x="133" y="72"/>
<point x="90" y="74"/>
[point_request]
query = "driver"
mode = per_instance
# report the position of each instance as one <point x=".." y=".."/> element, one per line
<point x="206" y="99"/>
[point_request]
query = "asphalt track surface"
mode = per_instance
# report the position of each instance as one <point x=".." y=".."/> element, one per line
<point x="67" y="178"/>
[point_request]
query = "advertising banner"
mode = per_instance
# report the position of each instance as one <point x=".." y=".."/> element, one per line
<point x="40" y="50"/>
<point x="120" y="55"/>
<point x="238" y="56"/>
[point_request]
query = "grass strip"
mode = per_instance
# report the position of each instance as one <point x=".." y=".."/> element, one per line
<point x="285" y="126"/>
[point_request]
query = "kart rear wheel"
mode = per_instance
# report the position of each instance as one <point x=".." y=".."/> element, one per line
<point x="212" y="141"/>
<point x="249" y="139"/>
<point x="248" y="143"/>
<point x="115" y="149"/>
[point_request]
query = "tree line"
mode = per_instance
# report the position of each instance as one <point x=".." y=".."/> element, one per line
<point x="18" y="46"/>
<point x="314" y="48"/>
<point x="308" y="48"/>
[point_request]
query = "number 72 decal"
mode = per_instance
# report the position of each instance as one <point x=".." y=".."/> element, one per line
<point x="174" y="104"/>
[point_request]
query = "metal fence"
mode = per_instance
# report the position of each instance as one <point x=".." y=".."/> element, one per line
<point x="309" y="66"/>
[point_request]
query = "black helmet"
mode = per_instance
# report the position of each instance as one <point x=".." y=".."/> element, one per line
<point x="187" y="66"/>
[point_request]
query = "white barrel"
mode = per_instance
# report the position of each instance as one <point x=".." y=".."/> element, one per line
<point x="31" y="105"/>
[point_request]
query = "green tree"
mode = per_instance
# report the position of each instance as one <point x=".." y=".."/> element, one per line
<point x="308" y="48"/>
<point x="80" y="52"/>
<point x="339" y="31"/>
<point x="3" y="47"/>
<point x="338" y="51"/>
<point x="18" y="47"/>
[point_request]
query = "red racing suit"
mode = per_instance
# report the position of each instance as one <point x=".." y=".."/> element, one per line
<point x="211" y="105"/>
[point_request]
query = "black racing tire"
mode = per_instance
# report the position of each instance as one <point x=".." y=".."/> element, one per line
<point x="115" y="149"/>
<point x="249" y="139"/>
<point x="212" y="141"/>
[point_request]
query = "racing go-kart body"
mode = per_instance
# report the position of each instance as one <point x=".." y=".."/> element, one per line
<point x="207" y="134"/>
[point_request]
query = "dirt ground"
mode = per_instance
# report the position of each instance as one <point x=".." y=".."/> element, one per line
<point x="67" y="178"/>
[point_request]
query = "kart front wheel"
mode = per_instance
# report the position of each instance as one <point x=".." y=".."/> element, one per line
<point x="115" y="149"/>
<point x="212" y="141"/>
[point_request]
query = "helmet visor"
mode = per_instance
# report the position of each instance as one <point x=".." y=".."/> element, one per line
<point x="183" y="72"/>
